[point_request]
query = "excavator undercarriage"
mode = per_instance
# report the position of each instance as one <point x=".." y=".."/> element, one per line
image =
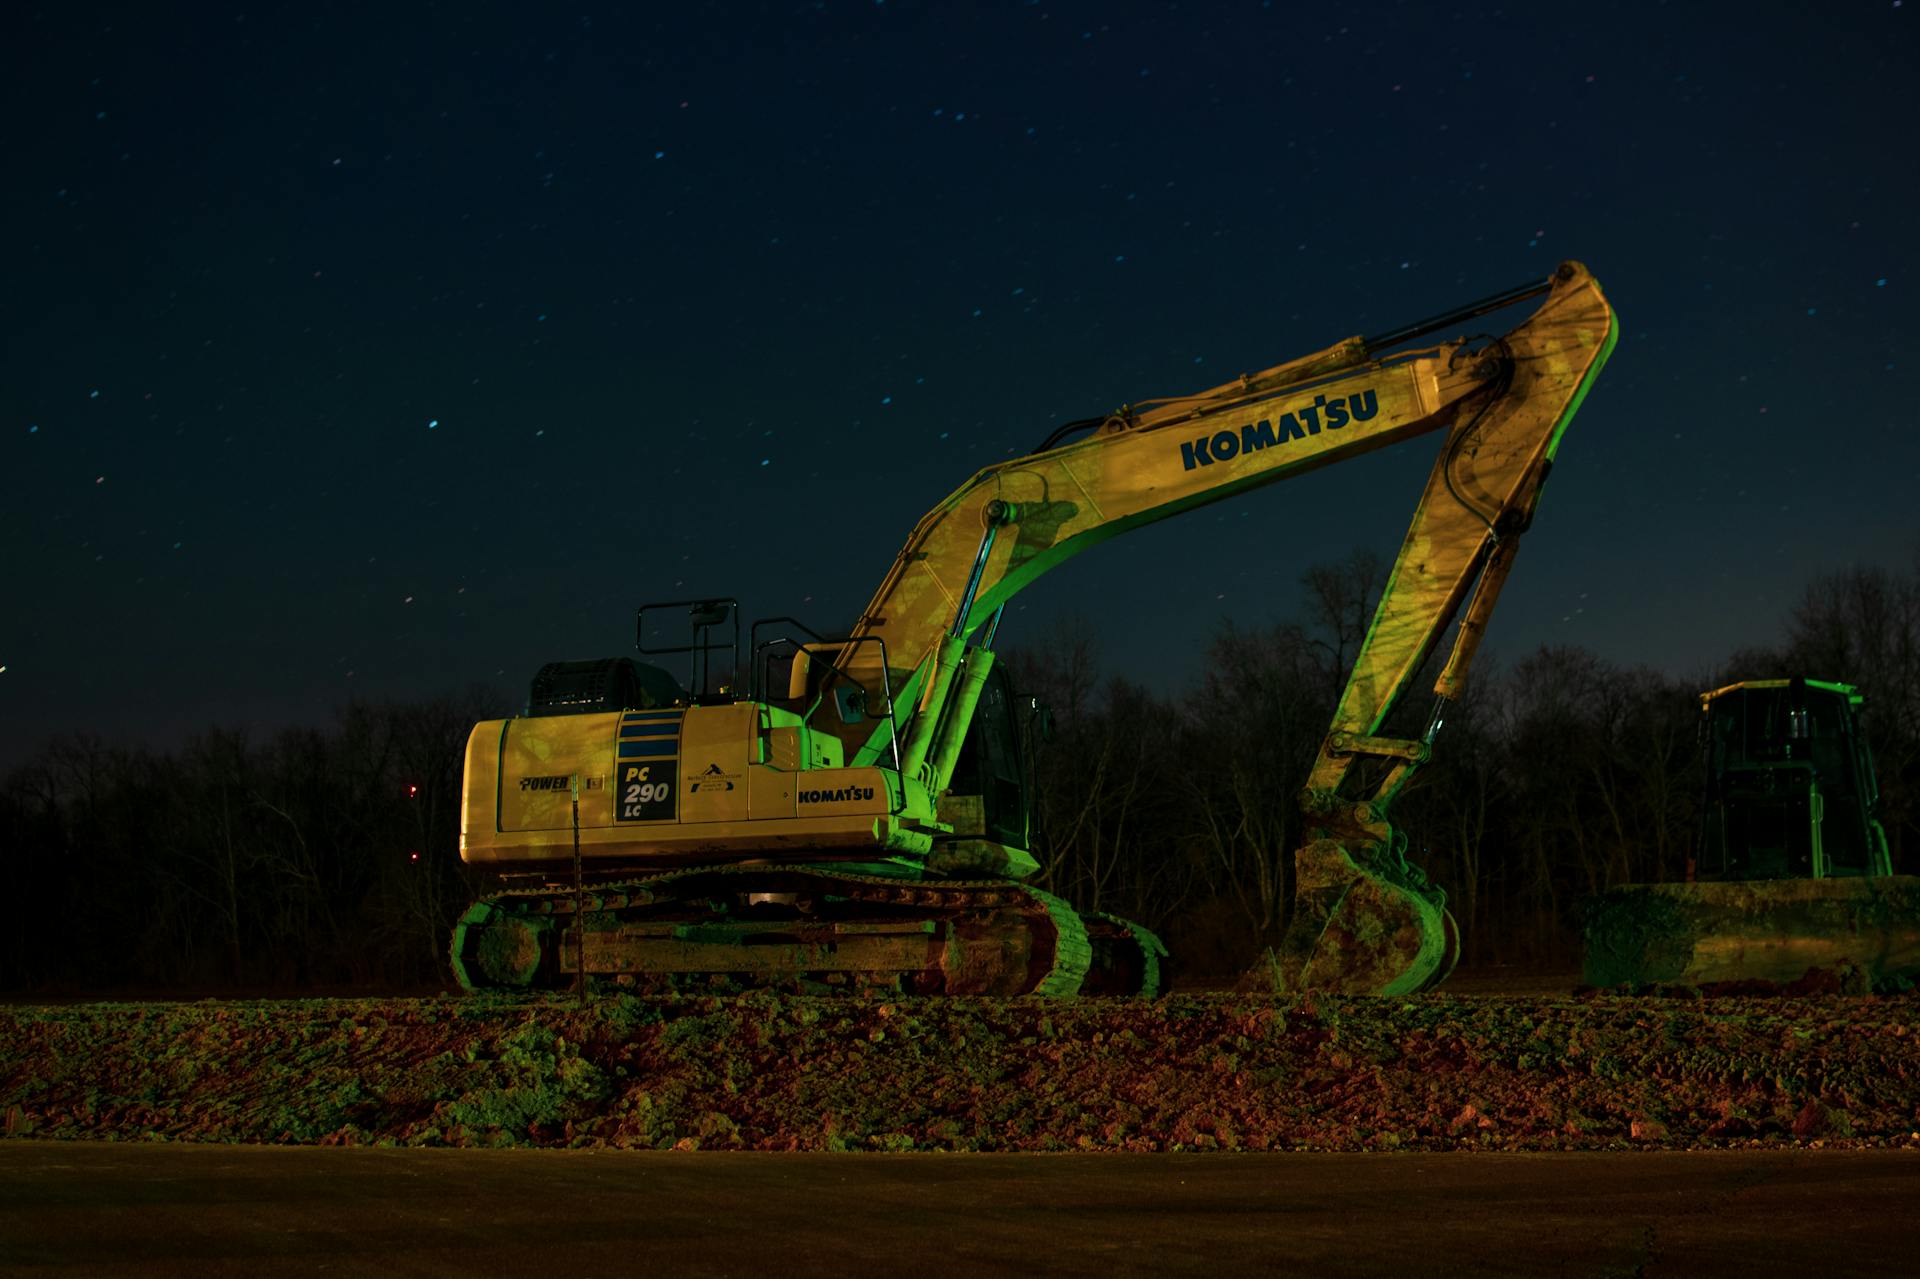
<point x="804" y="929"/>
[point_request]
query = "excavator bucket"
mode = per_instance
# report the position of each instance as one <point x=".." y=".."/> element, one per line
<point x="1791" y="874"/>
<point x="1366" y="925"/>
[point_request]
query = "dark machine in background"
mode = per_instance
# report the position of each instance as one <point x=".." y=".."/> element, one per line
<point x="1791" y="871"/>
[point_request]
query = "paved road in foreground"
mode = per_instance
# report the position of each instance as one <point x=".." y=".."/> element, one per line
<point x="228" y="1210"/>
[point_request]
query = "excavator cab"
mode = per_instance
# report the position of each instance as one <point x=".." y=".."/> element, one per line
<point x="991" y="763"/>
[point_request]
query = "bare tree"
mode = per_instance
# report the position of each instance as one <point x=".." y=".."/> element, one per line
<point x="1250" y="739"/>
<point x="1340" y="600"/>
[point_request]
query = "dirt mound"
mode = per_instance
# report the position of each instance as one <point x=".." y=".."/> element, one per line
<point x="767" y="1072"/>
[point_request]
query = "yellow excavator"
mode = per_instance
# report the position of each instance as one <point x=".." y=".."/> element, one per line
<point x="848" y="811"/>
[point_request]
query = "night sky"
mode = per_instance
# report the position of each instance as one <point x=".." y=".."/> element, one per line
<point x="376" y="352"/>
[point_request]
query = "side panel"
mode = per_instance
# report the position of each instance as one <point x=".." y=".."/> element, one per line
<point x="538" y="759"/>
<point x="668" y="788"/>
<point x="770" y="790"/>
<point x="714" y="754"/>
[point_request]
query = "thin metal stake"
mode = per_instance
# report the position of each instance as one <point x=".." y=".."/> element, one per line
<point x="579" y="906"/>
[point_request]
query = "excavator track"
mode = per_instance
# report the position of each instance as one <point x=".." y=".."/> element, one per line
<point x="1128" y="959"/>
<point x="806" y="929"/>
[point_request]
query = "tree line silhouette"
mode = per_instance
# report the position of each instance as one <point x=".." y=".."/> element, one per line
<point x="1554" y="778"/>
<point x="327" y="858"/>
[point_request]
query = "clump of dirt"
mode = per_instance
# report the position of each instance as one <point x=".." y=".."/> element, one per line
<point x="776" y="1072"/>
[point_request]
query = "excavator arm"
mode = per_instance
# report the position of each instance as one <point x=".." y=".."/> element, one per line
<point x="1362" y="918"/>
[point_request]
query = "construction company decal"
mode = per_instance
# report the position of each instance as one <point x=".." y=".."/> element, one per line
<point x="649" y="750"/>
<point x="1307" y="419"/>
<point x="713" y="778"/>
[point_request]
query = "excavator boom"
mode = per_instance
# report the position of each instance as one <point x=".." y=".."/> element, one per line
<point x="1504" y="405"/>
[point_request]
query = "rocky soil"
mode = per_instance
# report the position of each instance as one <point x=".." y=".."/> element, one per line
<point x="1218" y="1071"/>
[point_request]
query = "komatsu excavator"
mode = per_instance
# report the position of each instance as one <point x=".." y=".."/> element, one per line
<point x="849" y="811"/>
